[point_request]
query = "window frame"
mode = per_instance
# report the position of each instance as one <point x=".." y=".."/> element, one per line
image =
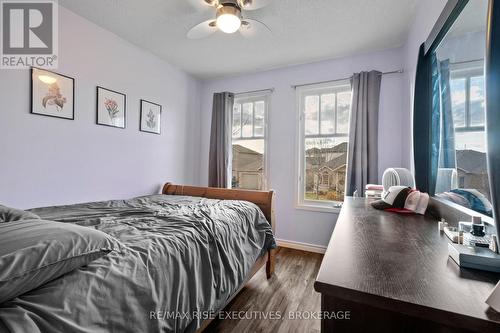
<point x="254" y="97"/>
<point x="467" y="71"/>
<point x="302" y="91"/>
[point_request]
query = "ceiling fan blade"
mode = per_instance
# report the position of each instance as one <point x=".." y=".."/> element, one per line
<point x="253" y="4"/>
<point x="203" y="4"/>
<point x="251" y="28"/>
<point x="204" y="29"/>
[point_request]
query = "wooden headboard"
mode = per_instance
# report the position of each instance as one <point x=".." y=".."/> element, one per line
<point x="263" y="199"/>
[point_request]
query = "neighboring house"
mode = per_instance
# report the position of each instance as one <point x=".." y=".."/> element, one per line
<point x="472" y="171"/>
<point x="247" y="168"/>
<point x="333" y="175"/>
<point x="325" y="171"/>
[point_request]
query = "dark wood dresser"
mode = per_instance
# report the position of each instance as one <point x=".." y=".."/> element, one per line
<point x="389" y="272"/>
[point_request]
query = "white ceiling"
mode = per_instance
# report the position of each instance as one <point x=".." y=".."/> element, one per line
<point x="303" y="31"/>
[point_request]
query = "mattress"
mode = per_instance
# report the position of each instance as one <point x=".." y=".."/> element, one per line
<point x="182" y="259"/>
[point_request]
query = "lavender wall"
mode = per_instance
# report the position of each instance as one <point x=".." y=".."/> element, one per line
<point x="48" y="161"/>
<point x="294" y="224"/>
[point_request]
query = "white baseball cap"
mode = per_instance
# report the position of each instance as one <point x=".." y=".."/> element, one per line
<point x="403" y="199"/>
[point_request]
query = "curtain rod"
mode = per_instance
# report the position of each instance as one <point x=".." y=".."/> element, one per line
<point x="271" y="90"/>
<point x="343" y="79"/>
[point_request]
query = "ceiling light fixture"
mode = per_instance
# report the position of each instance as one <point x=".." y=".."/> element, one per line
<point x="228" y="18"/>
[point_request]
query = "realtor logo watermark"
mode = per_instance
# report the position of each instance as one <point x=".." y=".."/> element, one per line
<point x="29" y="34"/>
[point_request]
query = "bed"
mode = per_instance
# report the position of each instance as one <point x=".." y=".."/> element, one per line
<point x="184" y="255"/>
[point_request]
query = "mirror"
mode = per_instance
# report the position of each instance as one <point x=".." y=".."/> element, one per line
<point x="458" y="69"/>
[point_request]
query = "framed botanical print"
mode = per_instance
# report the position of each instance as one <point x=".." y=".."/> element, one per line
<point x="111" y="108"/>
<point x="150" y="117"/>
<point x="52" y="94"/>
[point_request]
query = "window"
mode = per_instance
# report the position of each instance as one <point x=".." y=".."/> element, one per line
<point x="468" y="110"/>
<point x="323" y="137"/>
<point x="467" y="98"/>
<point x="249" y="141"/>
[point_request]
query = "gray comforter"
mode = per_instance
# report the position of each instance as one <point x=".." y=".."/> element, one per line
<point x="183" y="257"/>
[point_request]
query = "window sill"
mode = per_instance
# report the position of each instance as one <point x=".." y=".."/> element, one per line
<point x="459" y="211"/>
<point x="318" y="208"/>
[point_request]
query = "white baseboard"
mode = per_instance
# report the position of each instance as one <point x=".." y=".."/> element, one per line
<point x="301" y="246"/>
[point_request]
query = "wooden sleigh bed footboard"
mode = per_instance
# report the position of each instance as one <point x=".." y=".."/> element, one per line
<point x="263" y="199"/>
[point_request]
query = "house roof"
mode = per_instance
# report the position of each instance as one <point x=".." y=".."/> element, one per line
<point x="471" y="161"/>
<point x="337" y="162"/>
<point x="245" y="150"/>
<point x="333" y="158"/>
<point x="340" y="148"/>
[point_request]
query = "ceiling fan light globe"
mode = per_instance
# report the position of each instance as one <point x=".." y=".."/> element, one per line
<point x="228" y="23"/>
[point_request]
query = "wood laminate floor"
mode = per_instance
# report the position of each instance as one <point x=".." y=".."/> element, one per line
<point x="289" y="291"/>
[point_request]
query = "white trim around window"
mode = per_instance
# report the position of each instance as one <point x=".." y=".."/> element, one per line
<point x="301" y="92"/>
<point x="252" y="98"/>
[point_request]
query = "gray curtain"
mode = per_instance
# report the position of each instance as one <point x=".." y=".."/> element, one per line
<point x="219" y="160"/>
<point x="362" y="157"/>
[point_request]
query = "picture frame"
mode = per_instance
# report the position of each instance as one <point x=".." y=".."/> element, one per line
<point x="111" y="108"/>
<point x="150" y="117"/>
<point x="52" y="94"/>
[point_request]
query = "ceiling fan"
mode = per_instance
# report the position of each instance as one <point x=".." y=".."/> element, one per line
<point x="229" y="18"/>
